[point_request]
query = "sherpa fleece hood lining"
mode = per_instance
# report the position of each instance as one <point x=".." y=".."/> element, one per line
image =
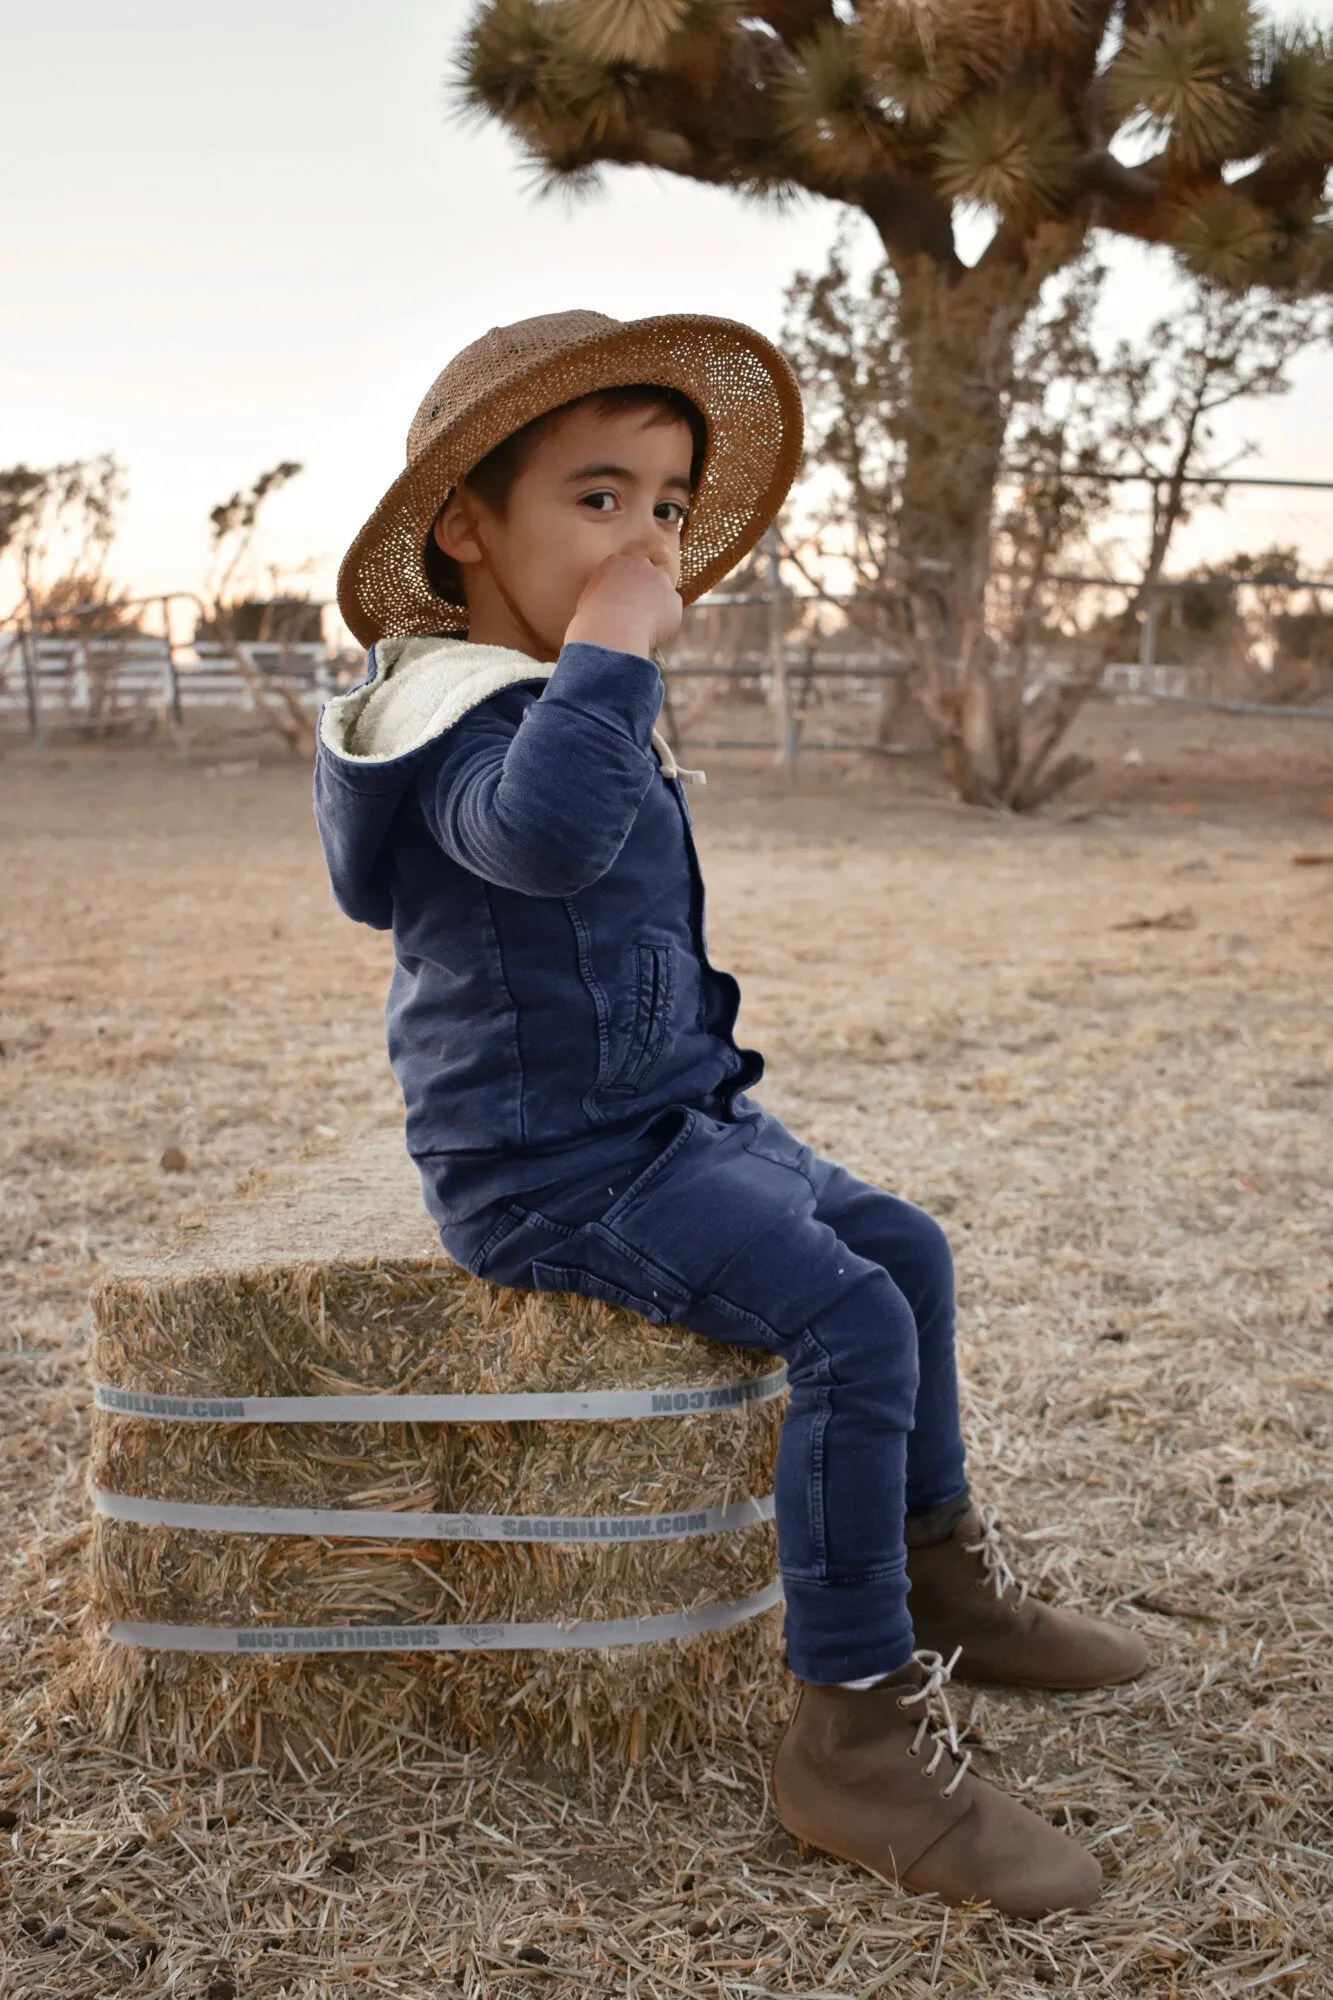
<point x="422" y="687"/>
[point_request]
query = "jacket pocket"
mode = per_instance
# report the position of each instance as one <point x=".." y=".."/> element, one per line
<point x="653" y="983"/>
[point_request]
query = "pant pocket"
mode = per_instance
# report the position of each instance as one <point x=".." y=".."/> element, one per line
<point x="652" y="1301"/>
<point x="500" y="1244"/>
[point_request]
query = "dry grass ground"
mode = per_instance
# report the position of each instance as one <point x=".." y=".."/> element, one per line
<point x="1098" y="1046"/>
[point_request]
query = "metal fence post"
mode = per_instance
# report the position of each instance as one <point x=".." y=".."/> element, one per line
<point x="1148" y="617"/>
<point x="32" y="685"/>
<point x="173" y="682"/>
<point x="777" y="654"/>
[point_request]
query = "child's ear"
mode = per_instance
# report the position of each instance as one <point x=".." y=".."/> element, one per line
<point x="453" y="534"/>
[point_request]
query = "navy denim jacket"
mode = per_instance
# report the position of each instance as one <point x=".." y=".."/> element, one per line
<point x="514" y="827"/>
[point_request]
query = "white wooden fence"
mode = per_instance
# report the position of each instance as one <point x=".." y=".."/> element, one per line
<point x="122" y="683"/>
<point x="115" y="684"/>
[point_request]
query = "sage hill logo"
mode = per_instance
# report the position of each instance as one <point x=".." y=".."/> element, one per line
<point x="601" y="1528"/>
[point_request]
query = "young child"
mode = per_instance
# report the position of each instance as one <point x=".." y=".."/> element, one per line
<point x="497" y="793"/>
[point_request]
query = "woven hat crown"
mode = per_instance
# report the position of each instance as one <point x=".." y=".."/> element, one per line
<point x="505" y="354"/>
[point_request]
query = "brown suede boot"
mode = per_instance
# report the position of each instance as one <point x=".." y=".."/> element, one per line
<point x="964" y="1597"/>
<point x="876" y="1776"/>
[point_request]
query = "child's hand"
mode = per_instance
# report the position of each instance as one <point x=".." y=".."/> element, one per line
<point x="629" y="605"/>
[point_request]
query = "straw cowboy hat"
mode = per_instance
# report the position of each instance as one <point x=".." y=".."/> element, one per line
<point x="738" y="380"/>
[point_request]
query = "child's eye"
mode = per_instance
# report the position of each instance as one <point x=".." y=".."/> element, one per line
<point x="672" y="511"/>
<point x="601" y="502"/>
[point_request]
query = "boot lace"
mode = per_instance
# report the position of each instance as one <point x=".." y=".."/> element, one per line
<point x="937" y="1721"/>
<point x="993" y="1559"/>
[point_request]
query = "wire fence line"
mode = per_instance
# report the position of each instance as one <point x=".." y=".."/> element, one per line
<point x="115" y="678"/>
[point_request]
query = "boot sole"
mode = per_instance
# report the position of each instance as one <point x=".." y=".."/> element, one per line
<point x="808" y="1850"/>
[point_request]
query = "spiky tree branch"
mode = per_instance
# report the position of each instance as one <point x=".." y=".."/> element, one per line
<point x="1195" y="124"/>
<point x="905" y="109"/>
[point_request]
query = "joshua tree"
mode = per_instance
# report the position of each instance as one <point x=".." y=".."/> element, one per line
<point x="1196" y="124"/>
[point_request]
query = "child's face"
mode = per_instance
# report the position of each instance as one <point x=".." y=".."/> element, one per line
<point x="597" y="485"/>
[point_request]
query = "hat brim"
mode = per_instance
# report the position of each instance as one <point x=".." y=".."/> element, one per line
<point x="739" y="381"/>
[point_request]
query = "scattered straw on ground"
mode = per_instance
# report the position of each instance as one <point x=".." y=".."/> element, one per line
<point x="1126" y="1131"/>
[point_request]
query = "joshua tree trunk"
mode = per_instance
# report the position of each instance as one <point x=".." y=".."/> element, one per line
<point x="959" y="329"/>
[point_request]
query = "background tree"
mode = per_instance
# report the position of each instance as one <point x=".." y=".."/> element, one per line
<point x="238" y="614"/>
<point x="235" y="524"/>
<point x="1162" y="392"/>
<point x="57" y="527"/>
<point x="1071" y="416"/>
<point x="1196" y="124"/>
<point x="845" y="342"/>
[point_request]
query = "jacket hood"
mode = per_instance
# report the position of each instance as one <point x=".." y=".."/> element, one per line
<point x="418" y="688"/>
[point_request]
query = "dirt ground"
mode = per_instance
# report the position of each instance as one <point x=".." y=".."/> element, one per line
<point x="1096" y="1044"/>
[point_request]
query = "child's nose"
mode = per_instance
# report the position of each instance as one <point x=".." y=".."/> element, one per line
<point x="646" y="537"/>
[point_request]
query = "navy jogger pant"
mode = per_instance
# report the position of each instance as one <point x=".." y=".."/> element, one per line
<point x="738" y="1231"/>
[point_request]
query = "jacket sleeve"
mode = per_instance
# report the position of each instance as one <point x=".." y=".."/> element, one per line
<point x="545" y="808"/>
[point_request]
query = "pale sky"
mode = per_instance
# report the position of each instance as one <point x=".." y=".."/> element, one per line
<point x="254" y="232"/>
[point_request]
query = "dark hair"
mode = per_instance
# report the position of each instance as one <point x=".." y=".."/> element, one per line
<point x="492" y="478"/>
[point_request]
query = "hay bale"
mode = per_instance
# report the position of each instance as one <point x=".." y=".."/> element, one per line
<point x="275" y="1295"/>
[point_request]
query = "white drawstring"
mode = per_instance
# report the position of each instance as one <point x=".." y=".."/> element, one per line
<point x="993" y="1557"/>
<point x="666" y="757"/>
<point x="937" y="1717"/>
